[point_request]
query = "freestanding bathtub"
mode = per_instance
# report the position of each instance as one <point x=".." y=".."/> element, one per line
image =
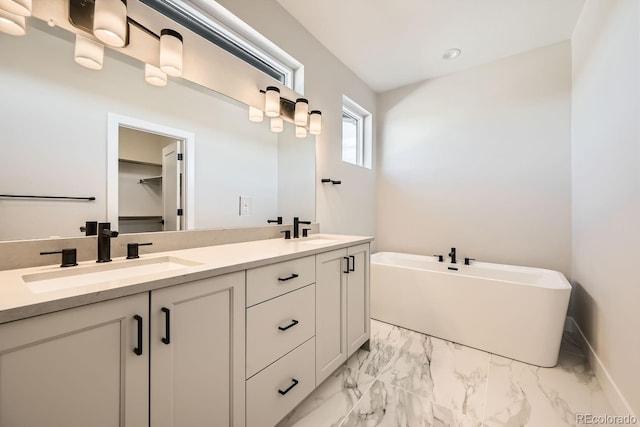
<point x="517" y="312"/>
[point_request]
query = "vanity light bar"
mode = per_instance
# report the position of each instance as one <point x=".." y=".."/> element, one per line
<point x="276" y="106"/>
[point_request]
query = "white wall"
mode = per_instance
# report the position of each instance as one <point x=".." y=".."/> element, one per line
<point x="606" y="187"/>
<point x="54" y="118"/>
<point x="349" y="208"/>
<point x="480" y="161"/>
<point x="141" y="146"/>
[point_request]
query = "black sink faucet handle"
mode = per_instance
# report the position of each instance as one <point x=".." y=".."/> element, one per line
<point x="69" y="258"/>
<point x="305" y="232"/>
<point x="132" y="249"/>
<point x="287" y="234"/>
<point x="275" y="221"/>
<point x="440" y="258"/>
<point x="90" y="228"/>
<point x="467" y="261"/>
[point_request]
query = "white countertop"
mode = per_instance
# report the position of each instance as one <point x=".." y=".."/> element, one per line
<point x="18" y="299"/>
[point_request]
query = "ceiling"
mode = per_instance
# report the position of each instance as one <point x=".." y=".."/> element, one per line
<point x="392" y="43"/>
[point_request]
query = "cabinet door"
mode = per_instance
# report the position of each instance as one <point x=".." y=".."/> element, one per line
<point x="76" y="367"/>
<point x="357" y="297"/>
<point x="331" y="312"/>
<point x="198" y="353"/>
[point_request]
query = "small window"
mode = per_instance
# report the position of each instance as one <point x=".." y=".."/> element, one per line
<point x="219" y="26"/>
<point x="356" y="134"/>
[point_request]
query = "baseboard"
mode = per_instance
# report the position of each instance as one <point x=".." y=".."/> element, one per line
<point x="611" y="390"/>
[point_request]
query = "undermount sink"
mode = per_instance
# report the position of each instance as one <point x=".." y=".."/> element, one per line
<point x="101" y="273"/>
<point x="315" y="241"/>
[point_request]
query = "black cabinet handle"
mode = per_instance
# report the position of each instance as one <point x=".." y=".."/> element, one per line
<point x="167" y="325"/>
<point x="353" y="263"/>
<point x="347" y="270"/>
<point x="293" y="323"/>
<point x="284" y="279"/>
<point x="138" y="350"/>
<point x="288" y="389"/>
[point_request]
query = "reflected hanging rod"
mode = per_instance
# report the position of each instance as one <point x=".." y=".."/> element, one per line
<point x="13" y="196"/>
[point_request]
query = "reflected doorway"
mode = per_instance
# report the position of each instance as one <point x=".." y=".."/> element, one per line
<point x="150" y="176"/>
<point x="150" y="182"/>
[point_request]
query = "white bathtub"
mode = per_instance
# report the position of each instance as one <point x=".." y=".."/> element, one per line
<point x="517" y="312"/>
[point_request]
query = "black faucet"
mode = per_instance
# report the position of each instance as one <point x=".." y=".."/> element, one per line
<point x="104" y="241"/>
<point x="296" y="226"/>
<point x="452" y="255"/>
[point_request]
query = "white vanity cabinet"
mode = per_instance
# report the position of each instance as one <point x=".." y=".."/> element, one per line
<point x="280" y="346"/>
<point x="197" y="349"/>
<point x="81" y="367"/>
<point x="86" y="366"/>
<point x="240" y="349"/>
<point x="342" y="306"/>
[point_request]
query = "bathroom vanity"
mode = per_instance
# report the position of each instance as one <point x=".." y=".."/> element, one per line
<point x="227" y="335"/>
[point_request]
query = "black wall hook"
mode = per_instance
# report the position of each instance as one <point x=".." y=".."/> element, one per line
<point x="329" y="180"/>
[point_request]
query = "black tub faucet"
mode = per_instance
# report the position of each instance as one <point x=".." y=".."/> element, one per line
<point x="296" y="226"/>
<point x="104" y="241"/>
<point x="452" y="255"/>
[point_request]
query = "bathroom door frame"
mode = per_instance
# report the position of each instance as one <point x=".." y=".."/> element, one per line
<point x="114" y="122"/>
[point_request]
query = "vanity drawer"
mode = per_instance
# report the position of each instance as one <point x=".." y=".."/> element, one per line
<point x="268" y="282"/>
<point x="293" y="375"/>
<point x="294" y="312"/>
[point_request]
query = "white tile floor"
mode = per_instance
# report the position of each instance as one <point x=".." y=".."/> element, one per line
<point x="411" y="379"/>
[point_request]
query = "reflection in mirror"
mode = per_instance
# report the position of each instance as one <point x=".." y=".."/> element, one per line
<point x="150" y="177"/>
<point x="55" y="128"/>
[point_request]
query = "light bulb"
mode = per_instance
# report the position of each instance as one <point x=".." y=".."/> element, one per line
<point x="302" y="112"/>
<point x="17" y="7"/>
<point x="110" y="22"/>
<point x="12" y="24"/>
<point x="315" y="122"/>
<point x="88" y="53"/>
<point x="301" y="132"/>
<point x="171" y="52"/>
<point x="277" y="124"/>
<point x="154" y="75"/>
<point x="272" y="101"/>
<point x="255" y="114"/>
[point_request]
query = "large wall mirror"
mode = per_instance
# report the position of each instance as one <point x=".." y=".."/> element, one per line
<point x="55" y="132"/>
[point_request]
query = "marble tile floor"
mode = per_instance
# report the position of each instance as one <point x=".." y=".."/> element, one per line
<point x="413" y="380"/>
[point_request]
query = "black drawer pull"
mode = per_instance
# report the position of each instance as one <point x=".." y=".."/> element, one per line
<point x="353" y="263"/>
<point x="347" y="270"/>
<point x="284" y="279"/>
<point x="293" y="323"/>
<point x="167" y="326"/>
<point x="288" y="389"/>
<point x="138" y="350"/>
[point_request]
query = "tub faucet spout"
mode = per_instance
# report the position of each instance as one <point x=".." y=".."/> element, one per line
<point x="452" y="255"/>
